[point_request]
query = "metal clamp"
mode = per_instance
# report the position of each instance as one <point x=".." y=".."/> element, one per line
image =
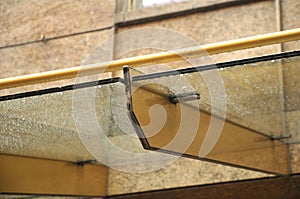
<point x="280" y="137"/>
<point x="183" y="97"/>
<point x="84" y="162"/>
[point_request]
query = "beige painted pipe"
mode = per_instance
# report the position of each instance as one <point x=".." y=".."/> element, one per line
<point x="156" y="58"/>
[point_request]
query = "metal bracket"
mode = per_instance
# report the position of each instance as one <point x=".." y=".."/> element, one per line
<point x="183" y="97"/>
<point x="132" y="116"/>
<point x="84" y="162"/>
<point x="280" y="137"/>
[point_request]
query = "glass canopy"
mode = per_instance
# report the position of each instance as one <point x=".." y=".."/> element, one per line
<point x="258" y="98"/>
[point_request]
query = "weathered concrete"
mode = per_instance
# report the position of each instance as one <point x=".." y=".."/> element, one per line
<point x="34" y="19"/>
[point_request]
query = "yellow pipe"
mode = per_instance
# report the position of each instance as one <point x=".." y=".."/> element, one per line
<point x="156" y="58"/>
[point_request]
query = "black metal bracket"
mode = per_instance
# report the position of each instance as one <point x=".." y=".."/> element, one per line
<point x="280" y="137"/>
<point x="84" y="162"/>
<point x="183" y="97"/>
<point x="132" y="116"/>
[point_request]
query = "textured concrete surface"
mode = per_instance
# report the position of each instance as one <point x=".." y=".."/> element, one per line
<point x="30" y="20"/>
<point x="293" y="125"/>
<point x="224" y="24"/>
<point x="252" y="95"/>
<point x="51" y="55"/>
<point x="44" y="126"/>
<point x="290" y="20"/>
<point x="183" y="172"/>
<point x="291" y="80"/>
<point x="295" y="157"/>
